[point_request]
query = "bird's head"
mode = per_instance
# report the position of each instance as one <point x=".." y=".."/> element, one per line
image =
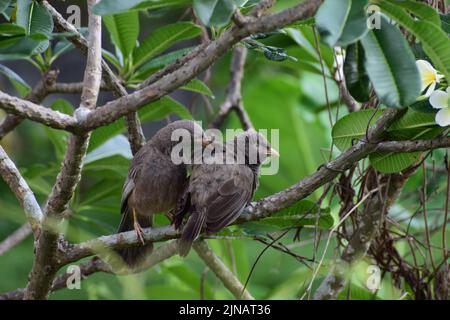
<point x="184" y="134"/>
<point x="253" y="147"/>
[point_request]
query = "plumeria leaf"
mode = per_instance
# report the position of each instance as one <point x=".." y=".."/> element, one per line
<point x="341" y="22"/>
<point x="434" y="40"/>
<point x="391" y="66"/>
<point x="356" y="77"/>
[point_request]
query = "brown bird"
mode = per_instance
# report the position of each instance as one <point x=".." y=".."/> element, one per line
<point x="153" y="185"/>
<point x="217" y="193"/>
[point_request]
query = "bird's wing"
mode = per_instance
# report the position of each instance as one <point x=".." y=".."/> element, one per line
<point x="226" y="204"/>
<point x="127" y="189"/>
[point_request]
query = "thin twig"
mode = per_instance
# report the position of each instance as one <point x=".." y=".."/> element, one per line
<point x="216" y="265"/>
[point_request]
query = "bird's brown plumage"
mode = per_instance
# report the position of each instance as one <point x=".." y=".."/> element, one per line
<point x="217" y="193"/>
<point x="153" y="185"/>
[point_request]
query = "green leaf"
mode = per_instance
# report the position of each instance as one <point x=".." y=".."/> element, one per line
<point x="434" y="41"/>
<point x="391" y="66"/>
<point x="154" y="111"/>
<point x="421" y="10"/>
<point x="410" y="126"/>
<point x="21" y="86"/>
<point x="21" y="47"/>
<point x="162" y="4"/>
<point x="148" y="68"/>
<point x="111" y="59"/>
<point x="103" y="167"/>
<point x="124" y="31"/>
<point x="108" y="7"/>
<point x="423" y="106"/>
<point x="356" y="77"/>
<point x="198" y="86"/>
<point x="35" y="18"/>
<point x="214" y="12"/>
<point x="10" y="29"/>
<point x="352" y="127"/>
<point x="341" y="22"/>
<point x="163" y="38"/>
<point x="445" y="21"/>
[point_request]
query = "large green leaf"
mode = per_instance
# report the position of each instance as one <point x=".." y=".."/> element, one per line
<point x="154" y="111"/>
<point x="214" y="12"/>
<point x="35" y="19"/>
<point x="391" y="66"/>
<point x="356" y="77"/>
<point x="341" y="22"/>
<point x="124" y="31"/>
<point x="352" y="127"/>
<point x="163" y="38"/>
<point x="434" y="41"/>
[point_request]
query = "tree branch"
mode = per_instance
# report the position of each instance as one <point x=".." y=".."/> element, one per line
<point x="96" y="265"/>
<point x="233" y="100"/>
<point x="45" y="264"/>
<point x="135" y="133"/>
<point x="228" y="279"/>
<point x="22" y="191"/>
<point x="15" y="238"/>
<point x="29" y="110"/>
<point x="37" y="95"/>
<point x="200" y="62"/>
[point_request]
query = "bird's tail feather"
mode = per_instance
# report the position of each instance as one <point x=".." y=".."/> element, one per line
<point x="191" y="231"/>
<point x="133" y="256"/>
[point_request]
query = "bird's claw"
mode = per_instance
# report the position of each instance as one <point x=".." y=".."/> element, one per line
<point x="139" y="233"/>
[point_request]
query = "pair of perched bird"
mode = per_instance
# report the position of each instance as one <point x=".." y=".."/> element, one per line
<point x="214" y="194"/>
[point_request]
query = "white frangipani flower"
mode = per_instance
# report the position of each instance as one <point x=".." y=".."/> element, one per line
<point x="441" y="100"/>
<point x="429" y="76"/>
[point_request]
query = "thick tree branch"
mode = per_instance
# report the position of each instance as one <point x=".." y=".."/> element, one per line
<point x="29" y="110"/>
<point x="45" y="263"/>
<point x="96" y="265"/>
<point x="22" y="191"/>
<point x="416" y="145"/>
<point x="229" y="280"/>
<point x="135" y="134"/>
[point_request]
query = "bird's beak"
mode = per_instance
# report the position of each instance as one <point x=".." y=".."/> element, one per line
<point x="206" y="141"/>
<point x="273" y="153"/>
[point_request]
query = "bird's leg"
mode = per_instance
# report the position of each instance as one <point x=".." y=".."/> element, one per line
<point x="138" y="228"/>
